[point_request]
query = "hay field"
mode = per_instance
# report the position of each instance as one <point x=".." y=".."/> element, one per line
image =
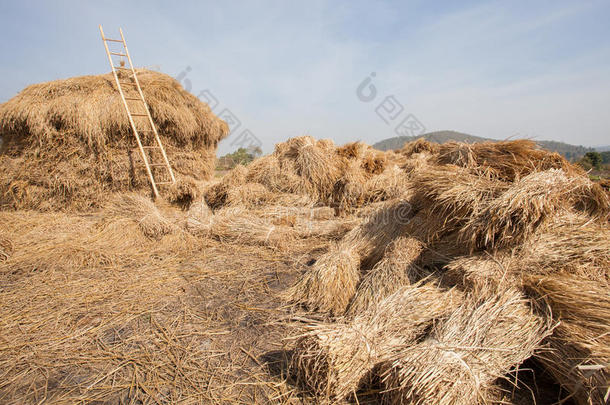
<point x="321" y="273"/>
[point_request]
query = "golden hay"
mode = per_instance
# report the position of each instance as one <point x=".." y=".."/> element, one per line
<point x="331" y="283"/>
<point x="75" y="140"/>
<point x="479" y="342"/>
<point x="397" y="269"/>
<point x="579" y="355"/>
<point x="334" y="360"/>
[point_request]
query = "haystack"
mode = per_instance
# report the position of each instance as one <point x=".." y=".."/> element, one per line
<point x="67" y="144"/>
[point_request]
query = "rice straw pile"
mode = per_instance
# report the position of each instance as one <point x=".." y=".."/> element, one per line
<point x="507" y="224"/>
<point x="67" y="144"/>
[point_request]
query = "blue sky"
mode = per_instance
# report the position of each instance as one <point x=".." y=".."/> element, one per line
<point x="284" y="68"/>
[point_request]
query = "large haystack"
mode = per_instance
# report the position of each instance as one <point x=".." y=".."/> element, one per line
<point x="68" y="144"/>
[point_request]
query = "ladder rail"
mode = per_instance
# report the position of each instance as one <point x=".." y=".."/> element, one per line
<point x="131" y="122"/>
<point x="152" y="123"/>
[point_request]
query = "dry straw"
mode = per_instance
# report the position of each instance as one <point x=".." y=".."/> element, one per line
<point x="459" y="361"/>
<point x="397" y="268"/>
<point x="579" y="355"/>
<point x="331" y="283"/>
<point x="74" y="137"/>
<point x="334" y="360"/>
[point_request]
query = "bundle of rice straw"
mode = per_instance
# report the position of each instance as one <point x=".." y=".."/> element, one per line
<point x="183" y="192"/>
<point x="390" y="184"/>
<point x="237" y="225"/>
<point x="75" y="140"/>
<point x="331" y="283"/>
<point x="418" y="146"/>
<point x="314" y="164"/>
<point x="455" y="194"/>
<point x="198" y="217"/>
<point x="515" y="215"/>
<point x="479" y="342"/>
<point x="579" y="355"/>
<point x="144" y="212"/>
<point x="333" y="360"/>
<point x="217" y="193"/>
<point x="508" y="160"/>
<point x="397" y="268"/>
<point x="571" y="243"/>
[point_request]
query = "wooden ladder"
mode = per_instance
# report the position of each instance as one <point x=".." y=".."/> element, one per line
<point x="138" y="99"/>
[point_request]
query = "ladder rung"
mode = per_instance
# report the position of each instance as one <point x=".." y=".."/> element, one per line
<point x="113" y="40"/>
<point x="129" y="83"/>
<point x="121" y="67"/>
<point x="118" y="54"/>
<point x="150" y="147"/>
<point x="139" y="115"/>
<point x="133" y="98"/>
<point x="164" y="182"/>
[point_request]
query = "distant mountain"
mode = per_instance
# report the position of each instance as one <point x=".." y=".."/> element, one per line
<point x="570" y="152"/>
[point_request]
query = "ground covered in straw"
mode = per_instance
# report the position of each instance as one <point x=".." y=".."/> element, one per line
<point x="451" y="274"/>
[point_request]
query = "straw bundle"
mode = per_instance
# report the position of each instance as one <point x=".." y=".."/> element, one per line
<point x="571" y="243"/>
<point x="514" y="215"/>
<point x="454" y="193"/>
<point x="390" y="184"/>
<point x="418" y="146"/>
<point x="314" y="164"/>
<point x="236" y="225"/>
<point x="217" y="193"/>
<point x="397" y="268"/>
<point x="579" y="358"/>
<point x="198" y="218"/>
<point x="143" y="211"/>
<point x="74" y="137"/>
<point x="508" y="160"/>
<point x="458" y="363"/>
<point x="334" y="360"/>
<point x="331" y="283"/>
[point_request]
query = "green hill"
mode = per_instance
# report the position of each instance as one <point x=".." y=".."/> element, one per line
<point x="571" y="152"/>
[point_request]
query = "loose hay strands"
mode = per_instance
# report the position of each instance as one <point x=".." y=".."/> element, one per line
<point x="74" y="137"/>
<point x="331" y="283"/>
<point x="479" y="342"/>
<point x="579" y="355"/>
<point x="397" y="268"/>
<point x="333" y="360"/>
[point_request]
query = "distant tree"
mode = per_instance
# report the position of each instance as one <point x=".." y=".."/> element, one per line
<point x="595" y="158"/>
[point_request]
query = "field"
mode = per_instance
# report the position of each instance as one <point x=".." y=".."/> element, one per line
<point x="432" y="274"/>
